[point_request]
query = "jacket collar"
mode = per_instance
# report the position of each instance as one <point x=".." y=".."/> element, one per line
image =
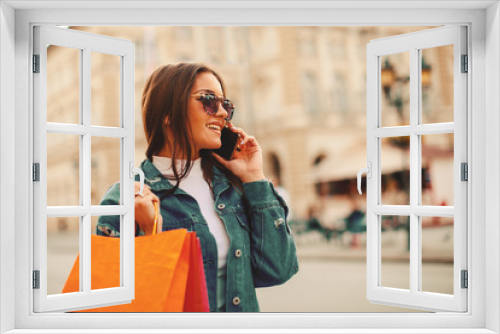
<point x="157" y="182"/>
<point x="154" y="178"/>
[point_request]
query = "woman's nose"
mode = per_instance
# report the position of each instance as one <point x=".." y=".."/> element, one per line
<point x="221" y="112"/>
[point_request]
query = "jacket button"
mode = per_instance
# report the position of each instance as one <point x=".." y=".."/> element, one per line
<point x="236" y="301"/>
<point x="221" y="206"/>
<point x="278" y="222"/>
<point x="237" y="253"/>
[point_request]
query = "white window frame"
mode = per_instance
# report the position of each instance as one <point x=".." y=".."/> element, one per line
<point x="86" y="44"/>
<point x="483" y="21"/>
<point x="413" y="44"/>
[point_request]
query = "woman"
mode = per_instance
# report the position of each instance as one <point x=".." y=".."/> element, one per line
<point x="236" y="213"/>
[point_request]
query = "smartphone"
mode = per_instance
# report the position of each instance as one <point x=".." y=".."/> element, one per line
<point x="229" y="141"/>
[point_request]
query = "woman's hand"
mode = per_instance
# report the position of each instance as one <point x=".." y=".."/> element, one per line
<point x="247" y="158"/>
<point x="145" y="210"/>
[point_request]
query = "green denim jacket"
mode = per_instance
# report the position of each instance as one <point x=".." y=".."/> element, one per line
<point x="262" y="250"/>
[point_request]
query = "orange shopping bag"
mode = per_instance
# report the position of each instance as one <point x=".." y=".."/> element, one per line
<point x="169" y="275"/>
<point x="196" y="299"/>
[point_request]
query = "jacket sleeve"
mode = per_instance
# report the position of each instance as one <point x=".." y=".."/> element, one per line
<point x="109" y="226"/>
<point x="273" y="252"/>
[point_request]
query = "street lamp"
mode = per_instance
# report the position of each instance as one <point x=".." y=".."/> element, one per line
<point x="390" y="80"/>
<point x="426" y="74"/>
<point x="426" y="82"/>
<point x="387" y="77"/>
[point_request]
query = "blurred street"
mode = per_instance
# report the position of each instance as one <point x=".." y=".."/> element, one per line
<point x="332" y="276"/>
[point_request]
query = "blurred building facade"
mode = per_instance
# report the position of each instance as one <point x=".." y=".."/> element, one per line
<point x="300" y="90"/>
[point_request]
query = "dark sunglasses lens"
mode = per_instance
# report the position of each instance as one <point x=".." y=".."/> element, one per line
<point x="228" y="106"/>
<point x="210" y="104"/>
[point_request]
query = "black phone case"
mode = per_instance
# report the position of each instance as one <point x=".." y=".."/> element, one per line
<point x="229" y="140"/>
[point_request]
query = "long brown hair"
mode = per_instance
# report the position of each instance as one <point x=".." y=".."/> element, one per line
<point x="166" y="94"/>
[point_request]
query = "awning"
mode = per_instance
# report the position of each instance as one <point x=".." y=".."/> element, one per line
<point x="345" y="165"/>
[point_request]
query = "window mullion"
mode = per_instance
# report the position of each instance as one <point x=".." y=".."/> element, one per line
<point x="127" y="157"/>
<point x="373" y="183"/>
<point x="406" y="210"/>
<point x="414" y="170"/>
<point x="85" y="170"/>
<point x="434" y="129"/>
<point x="422" y="129"/>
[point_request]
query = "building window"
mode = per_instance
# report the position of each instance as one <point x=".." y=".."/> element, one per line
<point x="309" y="93"/>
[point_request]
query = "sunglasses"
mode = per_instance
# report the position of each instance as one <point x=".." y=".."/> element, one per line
<point x="211" y="104"/>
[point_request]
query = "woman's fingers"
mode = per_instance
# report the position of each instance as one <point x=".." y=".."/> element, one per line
<point x="137" y="186"/>
<point x="249" y="146"/>
<point x="147" y="195"/>
<point x="241" y="132"/>
<point x="246" y="144"/>
<point x="249" y="140"/>
<point x="150" y="198"/>
<point x="244" y="137"/>
<point x="145" y="205"/>
<point x="220" y="159"/>
<point x="145" y="210"/>
<point x="159" y="224"/>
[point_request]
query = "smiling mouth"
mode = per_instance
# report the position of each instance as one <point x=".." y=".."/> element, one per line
<point x="214" y="127"/>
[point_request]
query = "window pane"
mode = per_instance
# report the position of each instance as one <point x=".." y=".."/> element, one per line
<point x="437" y="169"/>
<point x="437" y="254"/>
<point x="63" y="245"/>
<point x="63" y="170"/>
<point x="395" y="262"/>
<point x="105" y="258"/>
<point x="437" y="84"/>
<point x="105" y="166"/>
<point x="63" y="84"/>
<point x="105" y="89"/>
<point x="395" y="94"/>
<point x="395" y="167"/>
<point x="309" y="91"/>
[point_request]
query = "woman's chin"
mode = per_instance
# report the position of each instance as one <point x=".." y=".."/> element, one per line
<point x="217" y="145"/>
<point x="214" y="145"/>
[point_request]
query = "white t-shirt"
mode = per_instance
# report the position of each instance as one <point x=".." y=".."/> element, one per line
<point x="195" y="185"/>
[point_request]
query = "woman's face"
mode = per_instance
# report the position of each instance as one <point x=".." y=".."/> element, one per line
<point x="206" y="129"/>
